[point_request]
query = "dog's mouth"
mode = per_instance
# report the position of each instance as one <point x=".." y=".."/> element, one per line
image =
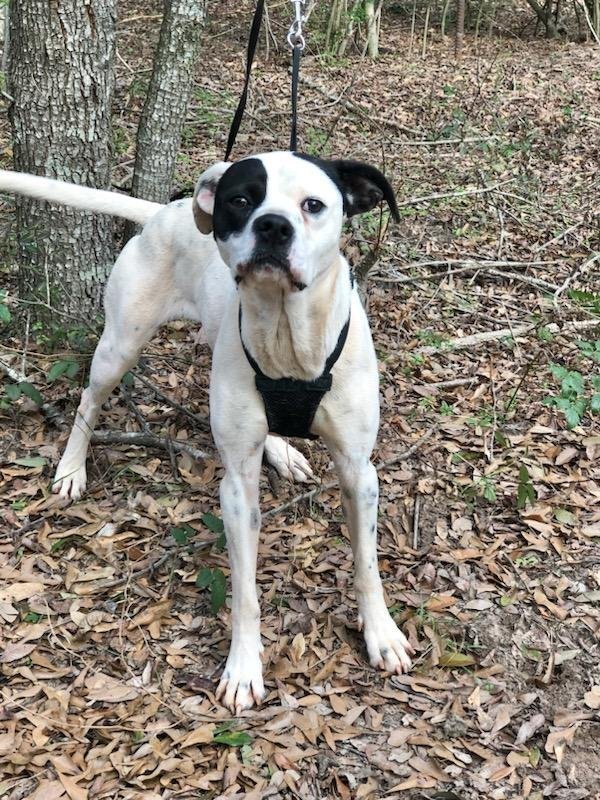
<point x="268" y="264"/>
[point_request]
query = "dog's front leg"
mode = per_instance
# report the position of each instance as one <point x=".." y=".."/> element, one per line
<point x="387" y="646"/>
<point x="242" y="684"/>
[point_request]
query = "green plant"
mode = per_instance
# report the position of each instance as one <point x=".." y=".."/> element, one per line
<point x="13" y="391"/>
<point x="525" y="489"/>
<point x="66" y="367"/>
<point x="214" y="580"/>
<point x="578" y="394"/>
<point x="5" y="316"/>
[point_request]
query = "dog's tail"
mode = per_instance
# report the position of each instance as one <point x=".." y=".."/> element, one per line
<point x="82" y="197"/>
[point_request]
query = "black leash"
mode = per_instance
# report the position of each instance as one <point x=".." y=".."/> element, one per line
<point x="252" y="42"/>
<point x="296" y="42"/>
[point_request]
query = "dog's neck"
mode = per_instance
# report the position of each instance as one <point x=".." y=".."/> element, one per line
<point x="291" y="334"/>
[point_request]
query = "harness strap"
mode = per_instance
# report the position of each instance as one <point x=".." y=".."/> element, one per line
<point x="252" y="42"/>
<point x="291" y="404"/>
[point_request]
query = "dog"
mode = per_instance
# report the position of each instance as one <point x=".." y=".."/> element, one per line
<point x="262" y="270"/>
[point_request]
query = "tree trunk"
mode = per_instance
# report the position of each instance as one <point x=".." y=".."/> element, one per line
<point x="61" y="78"/>
<point x="372" y="29"/>
<point x="544" y="16"/>
<point x="163" y="116"/>
<point x="460" y="27"/>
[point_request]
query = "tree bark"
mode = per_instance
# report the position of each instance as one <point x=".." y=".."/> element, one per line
<point x="163" y="116"/>
<point x="545" y="18"/>
<point x="61" y="78"/>
<point x="460" y="27"/>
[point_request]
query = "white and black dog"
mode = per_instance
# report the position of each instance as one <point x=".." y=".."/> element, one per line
<point x="292" y="354"/>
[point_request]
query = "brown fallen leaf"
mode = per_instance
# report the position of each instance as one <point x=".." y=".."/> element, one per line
<point x="528" y="728"/>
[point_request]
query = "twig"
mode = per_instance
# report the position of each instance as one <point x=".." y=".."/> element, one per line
<point x="574" y="274"/>
<point x="416" y="515"/>
<point x="202" y="423"/>
<point x="461" y="193"/>
<point x="138" y="439"/>
<point x="557" y="238"/>
<point x="171" y="551"/>
<point x="451" y="384"/>
<point x="539" y="283"/>
<point x="325" y="487"/>
<point x="465" y="342"/>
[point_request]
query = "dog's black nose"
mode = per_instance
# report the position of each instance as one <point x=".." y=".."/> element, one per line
<point x="273" y="229"/>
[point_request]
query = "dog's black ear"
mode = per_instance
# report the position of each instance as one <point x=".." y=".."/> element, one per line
<point x="363" y="187"/>
<point x="203" y="202"/>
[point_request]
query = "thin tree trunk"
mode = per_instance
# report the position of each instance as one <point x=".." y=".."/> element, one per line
<point x="372" y="31"/>
<point x="460" y="27"/>
<point x="544" y="17"/>
<point x="61" y="78"/>
<point x="163" y="116"/>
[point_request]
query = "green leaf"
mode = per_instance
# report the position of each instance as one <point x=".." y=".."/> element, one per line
<point x="232" y="738"/>
<point x="204" y="578"/>
<point x="127" y="380"/>
<point x="456" y="660"/>
<point x="182" y="534"/>
<point x="565" y="517"/>
<point x="31" y="461"/>
<point x="534" y="756"/>
<point x="32" y="616"/>
<point x="572" y="383"/>
<point x="72" y="369"/>
<point x="221" y="542"/>
<point x="57" y="369"/>
<point x="4" y="313"/>
<point x="30" y="391"/>
<point x="13" y="391"/>
<point x="595" y="404"/>
<point x="489" y="492"/>
<point x="572" y="416"/>
<point x="558" y="371"/>
<point x="217" y="590"/>
<point x="213" y="523"/>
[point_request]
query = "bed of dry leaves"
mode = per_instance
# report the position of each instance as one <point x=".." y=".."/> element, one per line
<point x="489" y="530"/>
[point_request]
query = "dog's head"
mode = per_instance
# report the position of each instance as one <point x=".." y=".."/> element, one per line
<point x="278" y="217"/>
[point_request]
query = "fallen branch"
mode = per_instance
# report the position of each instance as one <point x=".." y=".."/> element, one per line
<point x="488" y="266"/>
<point x="579" y="270"/>
<point x="466" y="342"/>
<point x="139" y="439"/>
<point x="201" y="422"/>
<point x="325" y="487"/>
<point x="411" y="201"/>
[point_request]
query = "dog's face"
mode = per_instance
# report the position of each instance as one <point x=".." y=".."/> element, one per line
<point x="278" y="217"/>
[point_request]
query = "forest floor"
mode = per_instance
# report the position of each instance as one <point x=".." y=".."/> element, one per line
<point x="484" y="304"/>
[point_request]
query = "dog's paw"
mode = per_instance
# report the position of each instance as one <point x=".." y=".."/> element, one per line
<point x="70" y="481"/>
<point x="242" y="684"/>
<point x="289" y="462"/>
<point x="387" y="646"/>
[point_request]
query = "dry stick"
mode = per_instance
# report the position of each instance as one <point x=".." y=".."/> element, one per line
<point x="365" y="111"/>
<point x="537" y="282"/>
<point x="574" y="274"/>
<point x="325" y="487"/>
<point x="137" y="439"/>
<point x="461" y="193"/>
<point x="559" y="237"/>
<point x="171" y="551"/>
<point x="465" y="342"/>
<point x="201" y="422"/>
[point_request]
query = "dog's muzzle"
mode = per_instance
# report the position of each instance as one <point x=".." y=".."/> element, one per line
<point x="274" y="235"/>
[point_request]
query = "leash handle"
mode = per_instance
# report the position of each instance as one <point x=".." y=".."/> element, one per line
<point x="252" y="42"/>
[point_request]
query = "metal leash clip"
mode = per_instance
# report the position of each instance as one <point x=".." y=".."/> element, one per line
<point x="295" y="37"/>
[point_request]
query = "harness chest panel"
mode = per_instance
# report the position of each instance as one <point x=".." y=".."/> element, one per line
<point x="291" y="404"/>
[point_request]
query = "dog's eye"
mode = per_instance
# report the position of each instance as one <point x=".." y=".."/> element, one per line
<point x="312" y="206"/>
<point x="238" y="202"/>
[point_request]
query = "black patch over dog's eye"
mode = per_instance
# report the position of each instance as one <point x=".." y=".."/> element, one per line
<point x="312" y="205"/>
<point x="239" y="202"/>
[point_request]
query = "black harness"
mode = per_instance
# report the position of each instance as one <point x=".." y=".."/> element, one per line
<point x="291" y="404"/>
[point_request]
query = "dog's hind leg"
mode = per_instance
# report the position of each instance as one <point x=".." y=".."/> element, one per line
<point x="135" y="306"/>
